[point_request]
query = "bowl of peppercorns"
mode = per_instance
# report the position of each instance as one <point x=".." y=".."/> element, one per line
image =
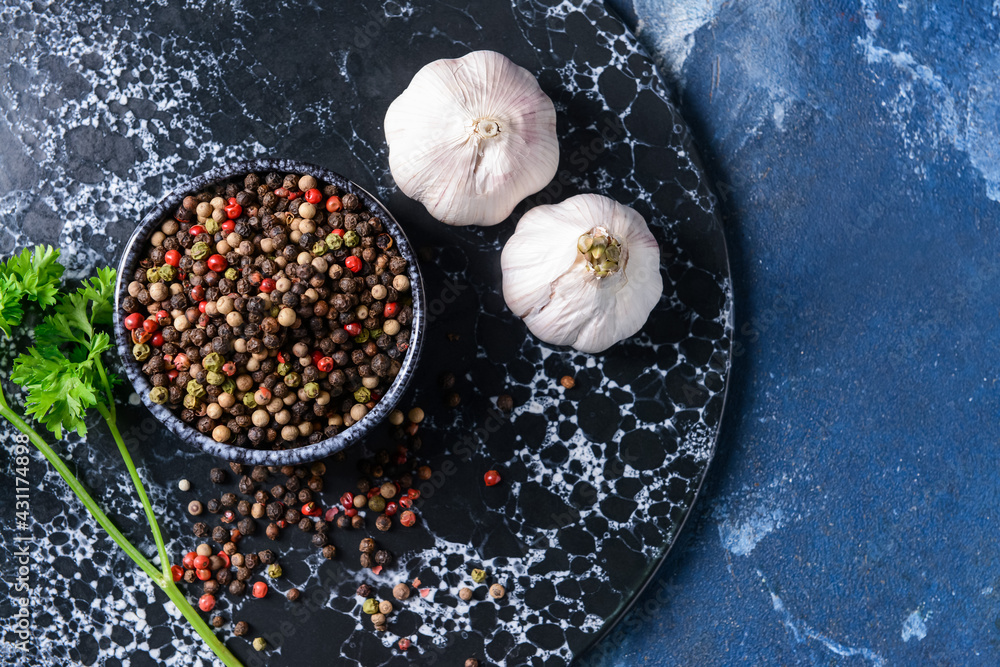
<point x="269" y="312"/>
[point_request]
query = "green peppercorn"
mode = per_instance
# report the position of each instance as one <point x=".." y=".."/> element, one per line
<point x="370" y="606"/>
<point x="249" y="400"/>
<point x="479" y="576"/>
<point x="275" y="310"/>
<point x="229" y="386"/>
<point x="319" y="248"/>
<point x="215" y="378"/>
<point x="152" y="275"/>
<point x="167" y="272"/>
<point x="212" y="362"/>
<point x="351" y="239"/>
<point x="293" y="379"/>
<point x="232" y="274"/>
<point x="141" y="352"/>
<point x="200" y="250"/>
<point x="190" y="402"/>
<point x="283" y="369"/>
<point x="375" y="333"/>
<point x="376" y="504"/>
<point x="334" y="241"/>
<point x="259" y="644"/>
<point x="211" y="226"/>
<point x="363" y="336"/>
<point x="195" y="389"/>
<point x="311" y="389"/>
<point x="274" y="570"/>
<point x="159" y="395"/>
<point x="362" y="395"/>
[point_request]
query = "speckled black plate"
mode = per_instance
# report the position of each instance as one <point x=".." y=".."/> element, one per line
<point x="111" y="106"/>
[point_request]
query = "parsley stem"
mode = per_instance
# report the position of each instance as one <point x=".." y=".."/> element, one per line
<point x="77" y="487"/>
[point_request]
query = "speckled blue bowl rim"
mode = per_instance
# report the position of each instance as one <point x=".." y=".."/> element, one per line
<point x="135" y="250"/>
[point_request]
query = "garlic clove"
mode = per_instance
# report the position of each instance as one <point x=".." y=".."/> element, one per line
<point x="585" y="272"/>
<point x="471" y="137"/>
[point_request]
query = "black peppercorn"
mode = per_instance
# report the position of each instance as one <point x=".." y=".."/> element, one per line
<point x="367" y="561"/>
<point x="237" y="587"/>
<point x="246" y="485"/>
<point x="213" y="506"/>
<point x="319" y="538"/>
<point x="247" y="526"/>
<point x="329" y="551"/>
<point x="259" y="474"/>
<point x="383" y="522"/>
<point x="364" y="591"/>
<point x="241" y="628"/>
<point x="220" y="534"/>
<point x="275" y="511"/>
<point x="383" y="557"/>
<point x="277" y="491"/>
<point x="217" y="621"/>
<point x="293" y="594"/>
<point x="343" y="521"/>
<point x="211" y="587"/>
<point x="305" y="524"/>
<point x="267" y="557"/>
<point x="228" y="499"/>
<point x="200" y="529"/>
<point x="251" y="560"/>
<point x="272" y="531"/>
<point x="305" y="496"/>
<point x="217" y="475"/>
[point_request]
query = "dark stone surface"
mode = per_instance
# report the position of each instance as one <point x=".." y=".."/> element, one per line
<point x="108" y="108"/>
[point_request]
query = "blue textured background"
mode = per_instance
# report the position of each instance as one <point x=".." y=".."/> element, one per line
<point x="848" y="518"/>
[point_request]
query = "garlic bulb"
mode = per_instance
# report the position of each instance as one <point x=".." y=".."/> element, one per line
<point x="585" y="272"/>
<point x="471" y="137"/>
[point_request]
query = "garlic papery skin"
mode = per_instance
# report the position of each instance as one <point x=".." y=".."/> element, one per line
<point x="584" y="273"/>
<point x="471" y="137"/>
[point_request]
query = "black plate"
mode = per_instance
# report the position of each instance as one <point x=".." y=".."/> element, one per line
<point x="597" y="480"/>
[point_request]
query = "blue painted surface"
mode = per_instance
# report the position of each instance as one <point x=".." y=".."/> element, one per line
<point x="850" y="515"/>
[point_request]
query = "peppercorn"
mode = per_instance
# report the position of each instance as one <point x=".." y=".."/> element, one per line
<point x="376" y="504"/>
<point x="220" y="534"/>
<point x="217" y="475"/>
<point x="357" y="522"/>
<point x="246" y="485"/>
<point x="497" y="591"/>
<point x="505" y="403"/>
<point x="259" y="644"/>
<point x="567" y="381"/>
<point x="200" y="529"/>
<point x="267" y="557"/>
<point x="401" y="591"/>
<point x="383" y="522"/>
<point x="218" y="621"/>
<point x="247" y="526"/>
<point x="272" y="531"/>
<point x="478" y="575"/>
<point x="465" y="593"/>
<point x="367" y="561"/>
<point x="213" y="506"/>
<point x="329" y="552"/>
<point x="251" y="560"/>
<point x="383" y="557"/>
<point x="293" y="594"/>
<point x="259" y="474"/>
<point x="241" y="628"/>
<point x="238" y="586"/>
<point x="319" y="539"/>
<point x="195" y="508"/>
<point x="471" y="662"/>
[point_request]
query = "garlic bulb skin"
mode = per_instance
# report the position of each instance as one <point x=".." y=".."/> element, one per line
<point x="471" y="137"/>
<point x="584" y="272"/>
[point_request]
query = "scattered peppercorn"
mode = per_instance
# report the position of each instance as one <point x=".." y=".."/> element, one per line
<point x="364" y="591"/>
<point x="471" y="662"/>
<point x="218" y="621"/>
<point x="217" y="475"/>
<point x="478" y="575"/>
<point x="293" y="594"/>
<point x="241" y="628"/>
<point x="491" y="478"/>
<point x="505" y="403"/>
<point x="259" y="644"/>
<point x="383" y="522"/>
<point x="497" y="591"/>
<point x="195" y="508"/>
<point x="184" y="485"/>
<point x="401" y="591"/>
<point x="465" y="593"/>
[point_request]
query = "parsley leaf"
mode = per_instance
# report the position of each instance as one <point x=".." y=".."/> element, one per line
<point x="34" y="274"/>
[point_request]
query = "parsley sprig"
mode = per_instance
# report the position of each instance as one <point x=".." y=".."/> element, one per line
<point x="64" y="377"/>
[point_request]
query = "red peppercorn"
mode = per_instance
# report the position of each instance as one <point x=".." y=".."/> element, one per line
<point x="173" y="258"/>
<point x="413" y="494"/>
<point x="405" y="503"/>
<point x="259" y="589"/>
<point x="176" y="573"/>
<point x="150" y="326"/>
<point x="157" y="339"/>
<point x="325" y="364"/>
<point x="391" y="508"/>
<point x="197" y="293"/>
<point x="172" y="375"/>
<point x="372" y="492"/>
<point x="353" y="263"/>
<point x="294" y="194"/>
<point x="353" y="328"/>
<point x="330" y="515"/>
<point x="196" y="230"/>
<point x="313" y="196"/>
<point x="408" y="518"/>
<point x="492" y="478"/>
<point x="316" y="356"/>
<point x="133" y="321"/>
<point x="351" y="511"/>
<point x="229" y="368"/>
<point x="390" y="309"/>
<point x="281" y="357"/>
<point x="266" y="286"/>
<point x="233" y="210"/>
<point x="217" y="263"/>
<point x="228" y="226"/>
<point x="347" y="500"/>
<point x="280" y="192"/>
<point x="188" y="561"/>
<point x="201" y="307"/>
<point x="404" y="644"/>
<point x="201" y="562"/>
<point x="203" y="575"/>
<point x="163" y="317"/>
<point x="333" y="204"/>
<point x="264" y="392"/>
<point x="206" y="602"/>
<point x="338" y="232"/>
<point x="225" y="557"/>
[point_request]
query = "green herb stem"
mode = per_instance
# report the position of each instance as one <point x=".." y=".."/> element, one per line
<point x="77" y="488"/>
